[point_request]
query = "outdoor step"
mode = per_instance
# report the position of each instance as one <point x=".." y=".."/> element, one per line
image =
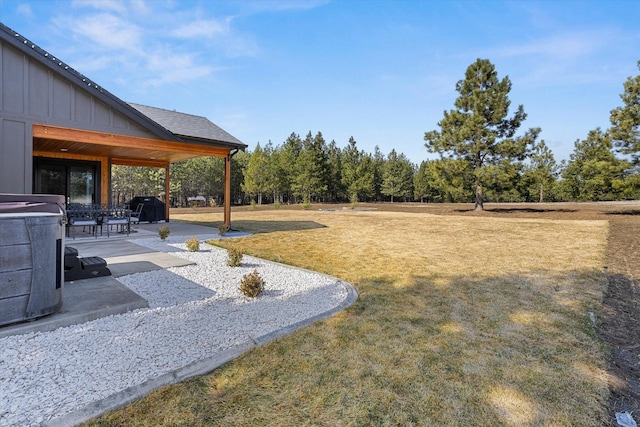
<point x="70" y="251"/>
<point x="77" y="268"/>
<point x="92" y="262"/>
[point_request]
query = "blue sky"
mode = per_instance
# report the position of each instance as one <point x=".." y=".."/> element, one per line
<point x="380" y="71"/>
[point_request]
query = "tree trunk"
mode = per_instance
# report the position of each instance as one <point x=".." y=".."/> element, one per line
<point x="541" y="194"/>
<point x="478" y="175"/>
<point x="479" y="201"/>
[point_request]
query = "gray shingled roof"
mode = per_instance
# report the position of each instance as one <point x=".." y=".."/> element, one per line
<point x="188" y="125"/>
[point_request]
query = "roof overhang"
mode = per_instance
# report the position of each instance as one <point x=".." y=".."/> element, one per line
<point x="221" y="144"/>
<point x="121" y="149"/>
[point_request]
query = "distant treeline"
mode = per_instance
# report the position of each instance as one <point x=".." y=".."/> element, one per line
<point x="482" y="157"/>
<point x="311" y="170"/>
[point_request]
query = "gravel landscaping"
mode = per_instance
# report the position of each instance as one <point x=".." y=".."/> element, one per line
<point x="195" y="313"/>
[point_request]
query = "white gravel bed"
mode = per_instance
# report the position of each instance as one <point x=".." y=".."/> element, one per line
<point x="194" y="313"/>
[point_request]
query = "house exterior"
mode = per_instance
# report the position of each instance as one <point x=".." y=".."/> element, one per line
<point x="60" y="132"/>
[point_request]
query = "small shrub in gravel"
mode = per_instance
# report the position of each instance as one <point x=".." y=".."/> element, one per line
<point x="163" y="231"/>
<point x="222" y="229"/>
<point x="193" y="244"/>
<point x="234" y="257"/>
<point x="276" y="205"/>
<point x="252" y="284"/>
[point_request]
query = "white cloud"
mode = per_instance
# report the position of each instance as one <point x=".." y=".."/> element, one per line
<point x="203" y="28"/>
<point x="25" y="10"/>
<point x="283" y="5"/>
<point x="565" y="58"/>
<point x="140" y="6"/>
<point x="86" y="64"/>
<point x="171" y="45"/>
<point x="108" y="5"/>
<point x="562" y="46"/>
<point x="172" y="68"/>
<point x="218" y="33"/>
<point x="108" y="31"/>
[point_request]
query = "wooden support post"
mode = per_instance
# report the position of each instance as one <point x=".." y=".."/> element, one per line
<point x="167" y="193"/>
<point x="106" y="195"/>
<point x="227" y="191"/>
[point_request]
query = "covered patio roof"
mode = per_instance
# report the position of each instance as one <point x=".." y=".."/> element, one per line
<point x="121" y="149"/>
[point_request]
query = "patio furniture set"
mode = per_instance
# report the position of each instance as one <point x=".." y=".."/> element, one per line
<point x="94" y="217"/>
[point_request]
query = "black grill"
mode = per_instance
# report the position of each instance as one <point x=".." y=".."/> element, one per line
<point x="152" y="211"/>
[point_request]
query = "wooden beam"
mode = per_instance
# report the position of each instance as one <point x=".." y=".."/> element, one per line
<point x="227" y="191"/>
<point x="105" y="181"/>
<point x="117" y="140"/>
<point x="145" y="163"/>
<point x="70" y="156"/>
<point x="167" y="193"/>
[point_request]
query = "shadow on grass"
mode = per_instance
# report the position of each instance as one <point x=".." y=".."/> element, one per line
<point x="261" y="227"/>
<point x="519" y="210"/>
<point x="629" y="212"/>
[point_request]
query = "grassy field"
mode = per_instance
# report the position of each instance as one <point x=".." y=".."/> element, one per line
<point x="461" y="320"/>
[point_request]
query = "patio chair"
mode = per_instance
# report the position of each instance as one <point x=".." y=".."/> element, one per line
<point x="135" y="215"/>
<point x="82" y="216"/>
<point x="118" y="216"/>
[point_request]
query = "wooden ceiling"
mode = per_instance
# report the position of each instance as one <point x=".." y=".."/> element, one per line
<point x="121" y="149"/>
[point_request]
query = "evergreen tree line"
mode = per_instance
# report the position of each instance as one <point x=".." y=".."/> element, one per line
<point x="481" y="158"/>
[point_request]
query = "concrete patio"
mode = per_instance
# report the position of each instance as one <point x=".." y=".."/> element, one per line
<point x="90" y="299"/>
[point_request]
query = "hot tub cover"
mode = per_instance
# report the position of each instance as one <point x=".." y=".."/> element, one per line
<point x="18" y="203"/>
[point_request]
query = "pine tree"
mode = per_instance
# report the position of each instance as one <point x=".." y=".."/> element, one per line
<point x="593" y="172"/>
<point x="540" y="174"/>
<point x="422" y="183"/>
<point x="625" y="120"/>
<point x="478" y="131"/>
<point x="502" y="181"/>
<point x="256" y="174"/>
<point x="357" y="173"/>
<point x="443" y="180"/>
<point x="334" y="159"/>
<point x="378" y="172"/>
<point x="277" y="181"/>
<point x="310" y="169"/>
<point x="288" y="160"/>
<point x="397" y="176"/>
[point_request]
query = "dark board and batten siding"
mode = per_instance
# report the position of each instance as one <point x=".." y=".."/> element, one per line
<point x="32" y="93"/>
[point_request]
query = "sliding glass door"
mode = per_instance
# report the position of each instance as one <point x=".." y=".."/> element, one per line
<point x="82" y="187"/>
<point x="76" y="180"/>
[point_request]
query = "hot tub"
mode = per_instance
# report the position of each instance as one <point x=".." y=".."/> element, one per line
<point x="31" y="256"/>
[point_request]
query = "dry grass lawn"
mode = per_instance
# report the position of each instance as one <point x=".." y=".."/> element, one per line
<point x="460" y="321"/>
